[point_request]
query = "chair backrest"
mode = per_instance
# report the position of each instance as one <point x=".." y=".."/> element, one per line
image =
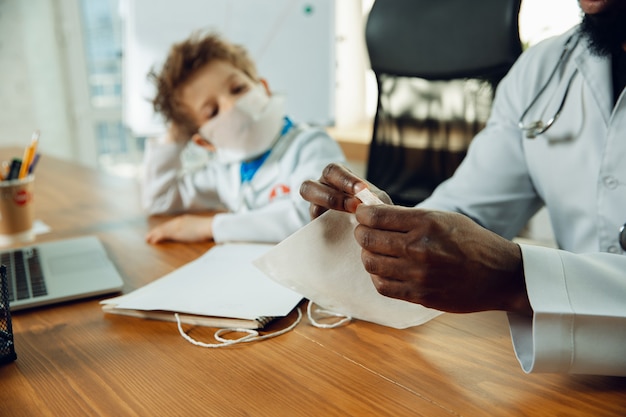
<point x="443" y="39"/>
<point x="419" y="51"/>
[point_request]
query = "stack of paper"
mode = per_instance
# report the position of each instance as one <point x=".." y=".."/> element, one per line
<point x="220" y="289"/>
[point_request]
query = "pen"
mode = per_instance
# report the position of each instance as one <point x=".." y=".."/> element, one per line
<point x="33" y="164"/>
<point x="14" y="170"/>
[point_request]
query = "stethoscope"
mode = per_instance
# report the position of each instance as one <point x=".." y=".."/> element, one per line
<point x="536" y="128"/>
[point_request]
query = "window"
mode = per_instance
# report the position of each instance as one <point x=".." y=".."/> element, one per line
<point x="117" y="151"/>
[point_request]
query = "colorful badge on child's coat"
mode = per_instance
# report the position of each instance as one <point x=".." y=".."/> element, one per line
<point x="279" y="190"/>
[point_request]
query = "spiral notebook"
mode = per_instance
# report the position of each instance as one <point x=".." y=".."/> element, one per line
<point x="222" y="288"/>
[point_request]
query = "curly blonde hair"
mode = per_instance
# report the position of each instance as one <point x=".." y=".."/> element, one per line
<point x="183" y="61"/>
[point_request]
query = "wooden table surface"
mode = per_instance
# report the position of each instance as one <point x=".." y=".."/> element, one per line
<point x="73" y="360"/>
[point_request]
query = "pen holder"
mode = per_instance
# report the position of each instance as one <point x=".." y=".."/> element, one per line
<point x="7" y="347"/>
<point x="17" y="211"/>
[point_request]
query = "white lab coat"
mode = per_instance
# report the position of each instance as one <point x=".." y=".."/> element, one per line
<point x="266" y="209"/>
<point x="578" y="170"/>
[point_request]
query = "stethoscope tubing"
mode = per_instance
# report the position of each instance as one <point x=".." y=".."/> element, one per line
<point x="538" y="127"/>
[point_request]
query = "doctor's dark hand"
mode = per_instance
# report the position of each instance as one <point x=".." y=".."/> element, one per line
<point x="335" y="190"/>
<point x="440" y="260"/>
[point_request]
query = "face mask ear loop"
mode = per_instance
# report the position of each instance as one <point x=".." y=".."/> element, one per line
<point x="309" y="311"/>
<point x="250" y="336"/>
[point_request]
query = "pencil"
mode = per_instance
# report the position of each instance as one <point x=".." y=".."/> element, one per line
<point x="29" y="154"/>
<point x="4" y="171"/>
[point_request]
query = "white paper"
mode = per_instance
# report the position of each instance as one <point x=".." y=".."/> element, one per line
<point x="40" y="228"/>
<point x="322" y="261"/>
<point x="223" y="282"/>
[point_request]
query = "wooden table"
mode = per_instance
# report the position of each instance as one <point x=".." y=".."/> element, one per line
<point x="73" y="360"/>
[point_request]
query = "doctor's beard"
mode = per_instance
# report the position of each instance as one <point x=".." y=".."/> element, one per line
<point x="605" y="32"/>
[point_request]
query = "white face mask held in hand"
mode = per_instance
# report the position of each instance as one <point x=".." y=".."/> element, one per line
<point x="322" y="262"/>
<point x="248" y="129"/>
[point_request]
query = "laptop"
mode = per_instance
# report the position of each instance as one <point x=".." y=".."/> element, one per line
<point x="58" y="271"/>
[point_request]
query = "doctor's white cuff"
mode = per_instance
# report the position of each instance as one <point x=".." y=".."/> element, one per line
<point x="579" y="321"/>
<point x="545" y="342"/>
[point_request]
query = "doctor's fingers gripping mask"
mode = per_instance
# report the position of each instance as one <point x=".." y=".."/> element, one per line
<point x="248" y="129"/>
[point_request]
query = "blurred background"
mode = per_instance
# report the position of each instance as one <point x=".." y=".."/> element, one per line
<point x="76" y="69"/>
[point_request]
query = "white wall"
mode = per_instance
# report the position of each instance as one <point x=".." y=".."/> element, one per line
<point x="33" y="92"/>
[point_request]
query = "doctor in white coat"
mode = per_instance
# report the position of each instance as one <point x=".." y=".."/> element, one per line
<point x="567" y="306"/>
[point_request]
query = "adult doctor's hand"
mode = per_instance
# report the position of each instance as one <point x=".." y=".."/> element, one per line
<point x="438" y="259"/>
<point x="335" y="190"/>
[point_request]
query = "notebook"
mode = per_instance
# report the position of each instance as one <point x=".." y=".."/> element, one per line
<point x="222" y="288"/>
<point x="62" y="270"/>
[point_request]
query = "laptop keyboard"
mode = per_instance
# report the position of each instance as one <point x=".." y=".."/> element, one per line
<point x="24" y="273"/>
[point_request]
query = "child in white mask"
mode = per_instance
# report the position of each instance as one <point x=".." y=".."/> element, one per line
<point x="208" y="92"/>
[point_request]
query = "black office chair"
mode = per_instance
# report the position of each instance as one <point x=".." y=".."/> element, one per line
<point x="437" y="64"/>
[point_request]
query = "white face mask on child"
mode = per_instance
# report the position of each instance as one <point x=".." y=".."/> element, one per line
<point x="248" y="129"/>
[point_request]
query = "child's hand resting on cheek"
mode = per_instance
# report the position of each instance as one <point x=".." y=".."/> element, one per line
<point x="178" y="133"/>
